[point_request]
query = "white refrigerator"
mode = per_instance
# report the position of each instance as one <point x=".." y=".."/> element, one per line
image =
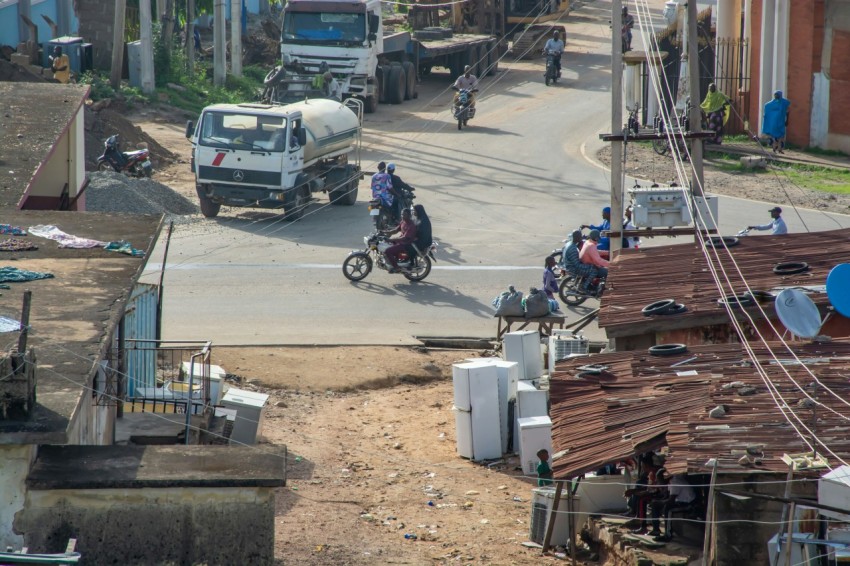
<point x="523" y="347"/>
<point x="535" y="434"/>
<point x="477" y="411"/>
<point x="508" y="373"/>
<point x="530" y="402"/>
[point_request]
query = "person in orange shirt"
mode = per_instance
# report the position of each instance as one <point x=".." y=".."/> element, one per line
<point x="589" y="254"/>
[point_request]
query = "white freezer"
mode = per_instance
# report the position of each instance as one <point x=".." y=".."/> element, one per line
<point x="535" y="434"/>
<point x="476" y="406"/>
<point x="250" y="409"/>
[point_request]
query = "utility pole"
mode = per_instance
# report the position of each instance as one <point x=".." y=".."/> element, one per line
<point x="148" y="83"/>
<point x="118" y="44"/>
<point x="236" y="38"/>
<point x="25" y="11"/>
<point x="695" y="114"/>
<point x="190" y="36"/>
<point x="168" y="24"/>
<point x="616" y="126"/>
<point x="219" y="71"/>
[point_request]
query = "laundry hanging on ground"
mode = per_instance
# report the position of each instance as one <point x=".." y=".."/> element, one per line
<point x="13" y="274"/>
<point x="13" y="230"/>
<point x="9" y="324"/>
<point x="16" y="245"/>
<point x="70" y="241"/>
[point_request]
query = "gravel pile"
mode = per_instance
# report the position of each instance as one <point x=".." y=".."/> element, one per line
<point x="113" y="192"/>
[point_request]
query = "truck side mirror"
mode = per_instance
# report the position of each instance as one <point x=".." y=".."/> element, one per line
<point x="374" y="23"/>
<point x="302" y="137"/>
<point x="190" y="129"/>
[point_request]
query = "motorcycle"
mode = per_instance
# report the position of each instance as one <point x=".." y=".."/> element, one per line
<point x="552" y="73"/>
<point x="386" y="216"/>
<point x="132" y="163"/>
<point x="571" y="290"/>
<point x="462" y="108"/>
<point x="359" y="264"/>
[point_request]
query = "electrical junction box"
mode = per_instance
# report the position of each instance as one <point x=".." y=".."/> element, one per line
<point x="660" y="207"/>
<point x="707" y="217"/>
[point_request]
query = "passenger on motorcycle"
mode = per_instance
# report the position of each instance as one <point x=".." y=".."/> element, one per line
<point x="382" y="185"/>
<point x="590" y="254"/>
<point x="555" y="46"/>
<point x="408" y="229"/>
<point x="572" y="262"/>
<point x="396" y="185"/>
<point x="632" y="241"/>
<point x="467" y="81"/>
<point x="604" y="243"/>
<point x="424" y="236"/>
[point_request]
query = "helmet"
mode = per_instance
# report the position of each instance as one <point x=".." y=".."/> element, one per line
<point x="556" y="35"/>
<point x="391" y="167"/>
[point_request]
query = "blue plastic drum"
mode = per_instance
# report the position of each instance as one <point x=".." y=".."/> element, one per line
<point x="838" y="288"/>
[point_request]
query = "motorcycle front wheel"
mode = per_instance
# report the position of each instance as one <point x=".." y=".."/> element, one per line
<point x="420" y="271"/>
<point x="546" y="77"/>
<point x="357" y="266"/>
<point x="104" y="166"/>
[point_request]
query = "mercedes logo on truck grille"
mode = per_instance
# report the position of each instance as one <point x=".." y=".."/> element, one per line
<point x="238" y="175"/>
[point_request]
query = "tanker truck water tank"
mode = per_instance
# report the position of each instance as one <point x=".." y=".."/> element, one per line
<point x="330" y="126"/>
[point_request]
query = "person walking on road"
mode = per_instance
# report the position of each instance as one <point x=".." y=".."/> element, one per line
<point x="775" y="121"/>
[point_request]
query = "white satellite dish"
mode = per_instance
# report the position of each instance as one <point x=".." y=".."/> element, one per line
<point x="798" y="313"/>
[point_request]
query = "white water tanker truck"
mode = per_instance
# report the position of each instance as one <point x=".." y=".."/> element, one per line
<point x="273" y="156"/>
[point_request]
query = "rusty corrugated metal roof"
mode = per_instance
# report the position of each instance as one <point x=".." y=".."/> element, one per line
<point x="641" y="402"/>
<point x="681" y="272"/>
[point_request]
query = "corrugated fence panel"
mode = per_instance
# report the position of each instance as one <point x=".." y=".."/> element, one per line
<point x="140" y="324"/>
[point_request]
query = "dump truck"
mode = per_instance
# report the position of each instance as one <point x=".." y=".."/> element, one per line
<point x="275" y="156"/>
<point x="371" y="63"/>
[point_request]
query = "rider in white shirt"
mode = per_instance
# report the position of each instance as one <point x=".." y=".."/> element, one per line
<point x="467" y="81"/>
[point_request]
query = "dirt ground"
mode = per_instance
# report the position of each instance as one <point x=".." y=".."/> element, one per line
<point x="370" y="431"/>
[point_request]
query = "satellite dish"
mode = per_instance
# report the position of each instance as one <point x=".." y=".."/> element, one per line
<point x="838" y="288"/>
<point x="798" y="313"/>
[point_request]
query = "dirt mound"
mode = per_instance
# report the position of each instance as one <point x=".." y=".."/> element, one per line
<point x="12" y="73"/>
<point x="105" y="118"/>
<point x="113" y="192"/>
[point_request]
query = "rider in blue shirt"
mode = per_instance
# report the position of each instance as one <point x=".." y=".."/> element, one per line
<point x="604" y="242"/>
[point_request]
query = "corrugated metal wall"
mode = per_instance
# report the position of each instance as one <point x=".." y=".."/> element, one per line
<point x="140" y="324"/>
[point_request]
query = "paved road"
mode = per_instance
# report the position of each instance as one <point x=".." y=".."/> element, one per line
<point x="501" y="194"/>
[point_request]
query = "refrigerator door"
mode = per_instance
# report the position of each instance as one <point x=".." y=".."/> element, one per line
<point x="462" y="409"/>
<point x="484" y="396"/>
<point x="508" y="373"/>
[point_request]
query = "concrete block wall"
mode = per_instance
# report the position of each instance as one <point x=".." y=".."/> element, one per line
<point x="746" y="543"/>
<point x="97" y="24"/>
<point x="183" y="525"/>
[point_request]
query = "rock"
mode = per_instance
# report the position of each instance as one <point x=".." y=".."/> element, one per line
<point x="471" y="492"/>
<point x="717" y="412"/>
<point x="753" y="162"/>
<point x="280" y="404"/>
<point x="743" y="391"/>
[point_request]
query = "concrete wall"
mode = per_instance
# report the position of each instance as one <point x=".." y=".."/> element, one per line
<point x="56" y="10"/>
<point x="746" y="543"/>
<point x="15" y="462"/>
<point x="154" y="526"/>
<point x="97" y="19"/>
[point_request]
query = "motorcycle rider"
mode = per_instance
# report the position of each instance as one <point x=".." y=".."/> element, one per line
<point x="382" y="186"/>
<point x="467" y="81"/>
<point x="605" y="225"/>
<point x="573" y="264"/>
<point x="555" y="46"/>
<point x="590" y="254"/>
<point x="408" y="230"/>
<point x="396" y="186"/>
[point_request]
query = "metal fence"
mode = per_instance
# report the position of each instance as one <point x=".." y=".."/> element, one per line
<point x="181" y="377"/>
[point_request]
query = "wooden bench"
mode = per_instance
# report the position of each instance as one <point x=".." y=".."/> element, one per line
<point x="545" y="324"/>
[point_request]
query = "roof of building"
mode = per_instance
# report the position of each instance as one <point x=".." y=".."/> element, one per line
<point x="32" y="117"/>
<point x="74" y="314"/>
<point x="134" y="467"/>
<point x="641" y="402"/>
<point x="681" y="272"/>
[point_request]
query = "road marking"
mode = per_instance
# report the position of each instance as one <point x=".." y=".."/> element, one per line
<point x="153" y="268"/>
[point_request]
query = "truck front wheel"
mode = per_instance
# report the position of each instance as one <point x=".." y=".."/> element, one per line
<point x="371" y="104"/>
<point x="209" y="208"/>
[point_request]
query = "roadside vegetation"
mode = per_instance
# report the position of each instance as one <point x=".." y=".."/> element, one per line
<point x="175" y="85"/>
<point x="827" y="180"/>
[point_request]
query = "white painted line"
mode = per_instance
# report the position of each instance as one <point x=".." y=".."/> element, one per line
<point x="154" y="268"/>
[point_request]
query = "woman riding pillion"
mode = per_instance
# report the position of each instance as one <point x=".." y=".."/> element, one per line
<point x="715" y="108"/>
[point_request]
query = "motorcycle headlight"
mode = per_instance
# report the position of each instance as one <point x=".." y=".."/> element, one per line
<point x="366" y="240"/>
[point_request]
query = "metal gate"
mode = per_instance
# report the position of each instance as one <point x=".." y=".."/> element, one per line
<point x="733" y="80"/>
<point x="140" y="324"/>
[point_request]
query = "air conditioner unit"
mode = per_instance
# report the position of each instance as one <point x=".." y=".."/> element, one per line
<point x="542" y="501"/>
<point x="562" y="345"/>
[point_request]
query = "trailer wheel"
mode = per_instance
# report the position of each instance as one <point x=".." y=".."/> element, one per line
<point x="396" y="85"/>
<point x="410" y="80"/>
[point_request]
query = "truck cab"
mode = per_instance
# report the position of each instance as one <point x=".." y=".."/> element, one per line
<point x="345" y="35"/>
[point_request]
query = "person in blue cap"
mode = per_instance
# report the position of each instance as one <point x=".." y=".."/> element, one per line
<point x="604" y="242"/>
<point x="775" y="121"/>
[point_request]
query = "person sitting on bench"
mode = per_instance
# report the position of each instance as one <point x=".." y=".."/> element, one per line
<point x="679" y="495"/>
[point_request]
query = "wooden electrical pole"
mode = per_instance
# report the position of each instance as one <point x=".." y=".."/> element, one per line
<point x="168" y="25"/>
<point x="219" y="71"/>
<point x="118" y="44"/>
<point x="695" y="116"/>
<point x="190" y="36"/>
<point x="616" y="126"/>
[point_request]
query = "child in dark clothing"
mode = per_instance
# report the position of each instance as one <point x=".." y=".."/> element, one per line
<point x="544" y="472"/>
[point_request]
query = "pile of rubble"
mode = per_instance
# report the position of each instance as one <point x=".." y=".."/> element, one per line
<point x="113" y="192"/>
